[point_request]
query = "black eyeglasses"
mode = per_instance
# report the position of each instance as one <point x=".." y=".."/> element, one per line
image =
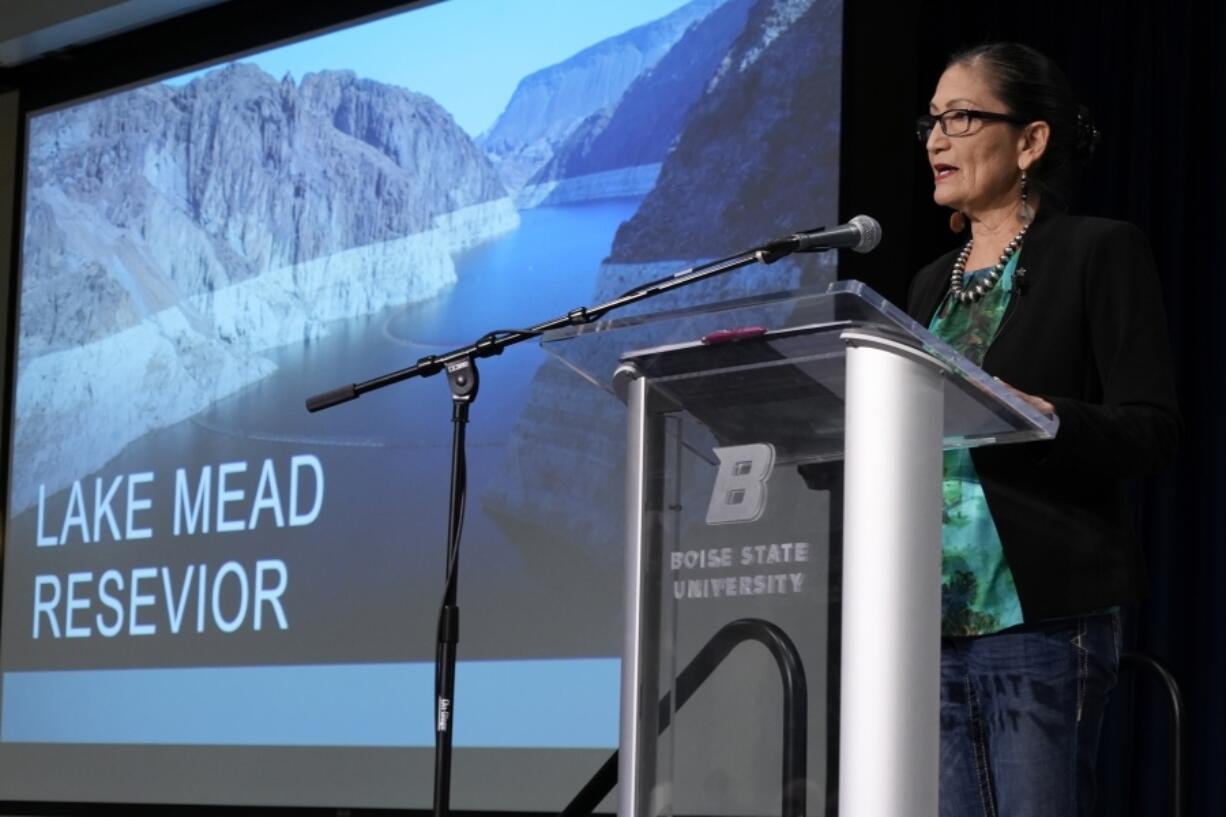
<point x="957" y="122"/>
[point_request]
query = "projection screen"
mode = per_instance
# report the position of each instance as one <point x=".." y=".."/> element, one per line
<point x="211" y="596"/>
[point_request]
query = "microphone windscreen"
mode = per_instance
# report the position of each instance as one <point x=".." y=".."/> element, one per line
<point x="870" y="233"/>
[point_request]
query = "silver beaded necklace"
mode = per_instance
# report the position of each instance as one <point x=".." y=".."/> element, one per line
<point x="981" y="288"/>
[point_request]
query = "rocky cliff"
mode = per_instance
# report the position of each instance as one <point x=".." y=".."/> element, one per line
<point x="756" y="157"/>
<point x="547" y="105"/>
<point x="630" y="142"/>
<point x="173" y="234"/>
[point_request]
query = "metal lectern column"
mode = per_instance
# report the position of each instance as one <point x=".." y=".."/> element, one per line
<point x="889" y="731"/>
<point x="640" y="692"/>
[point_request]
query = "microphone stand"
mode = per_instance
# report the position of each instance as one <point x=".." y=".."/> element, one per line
<point x="461" y="367"/>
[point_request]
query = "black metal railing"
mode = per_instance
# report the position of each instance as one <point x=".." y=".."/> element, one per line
<point x="795" y="711"/>
<point x="1174" y="698"/>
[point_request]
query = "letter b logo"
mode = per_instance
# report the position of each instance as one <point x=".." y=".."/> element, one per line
<point x="740" y="485"/>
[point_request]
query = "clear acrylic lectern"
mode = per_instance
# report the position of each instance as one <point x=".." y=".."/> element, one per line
<point x="784" y="492"/>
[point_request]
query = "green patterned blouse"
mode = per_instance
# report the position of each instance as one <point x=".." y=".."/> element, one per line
<point x="977" y="591"/>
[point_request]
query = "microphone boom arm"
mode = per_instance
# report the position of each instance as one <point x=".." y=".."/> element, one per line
<point x="493" y="343"/>
<point x="861" y="234"/>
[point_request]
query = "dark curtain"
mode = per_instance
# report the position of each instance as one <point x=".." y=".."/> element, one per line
<point x="1154" y="76"/>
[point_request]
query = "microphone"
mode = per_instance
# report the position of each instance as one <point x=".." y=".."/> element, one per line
<point x="861" y="234"/>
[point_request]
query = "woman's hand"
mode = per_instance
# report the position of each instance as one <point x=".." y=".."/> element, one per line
<point x="1037" y="402"/>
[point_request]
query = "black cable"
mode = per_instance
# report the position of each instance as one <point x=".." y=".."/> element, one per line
<point x="453" y="554"/>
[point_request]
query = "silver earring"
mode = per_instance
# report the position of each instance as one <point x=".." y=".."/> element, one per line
<point x="1025" y="213"/>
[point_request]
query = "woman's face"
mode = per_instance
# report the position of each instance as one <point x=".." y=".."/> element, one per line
<point x="978" y="171"/>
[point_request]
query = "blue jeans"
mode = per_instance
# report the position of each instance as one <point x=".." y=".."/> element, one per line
<point x="1020" y="717"/>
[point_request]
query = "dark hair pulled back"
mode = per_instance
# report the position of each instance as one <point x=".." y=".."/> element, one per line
<point x="1034" y="88"/>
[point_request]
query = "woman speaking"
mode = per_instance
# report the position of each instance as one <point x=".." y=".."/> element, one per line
<point x="1037" y="550"/>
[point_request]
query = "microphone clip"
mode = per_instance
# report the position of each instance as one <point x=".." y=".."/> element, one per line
<point x="772" y="252"/>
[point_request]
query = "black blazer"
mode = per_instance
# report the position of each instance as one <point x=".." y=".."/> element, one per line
<point x="1086" y="331"/>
